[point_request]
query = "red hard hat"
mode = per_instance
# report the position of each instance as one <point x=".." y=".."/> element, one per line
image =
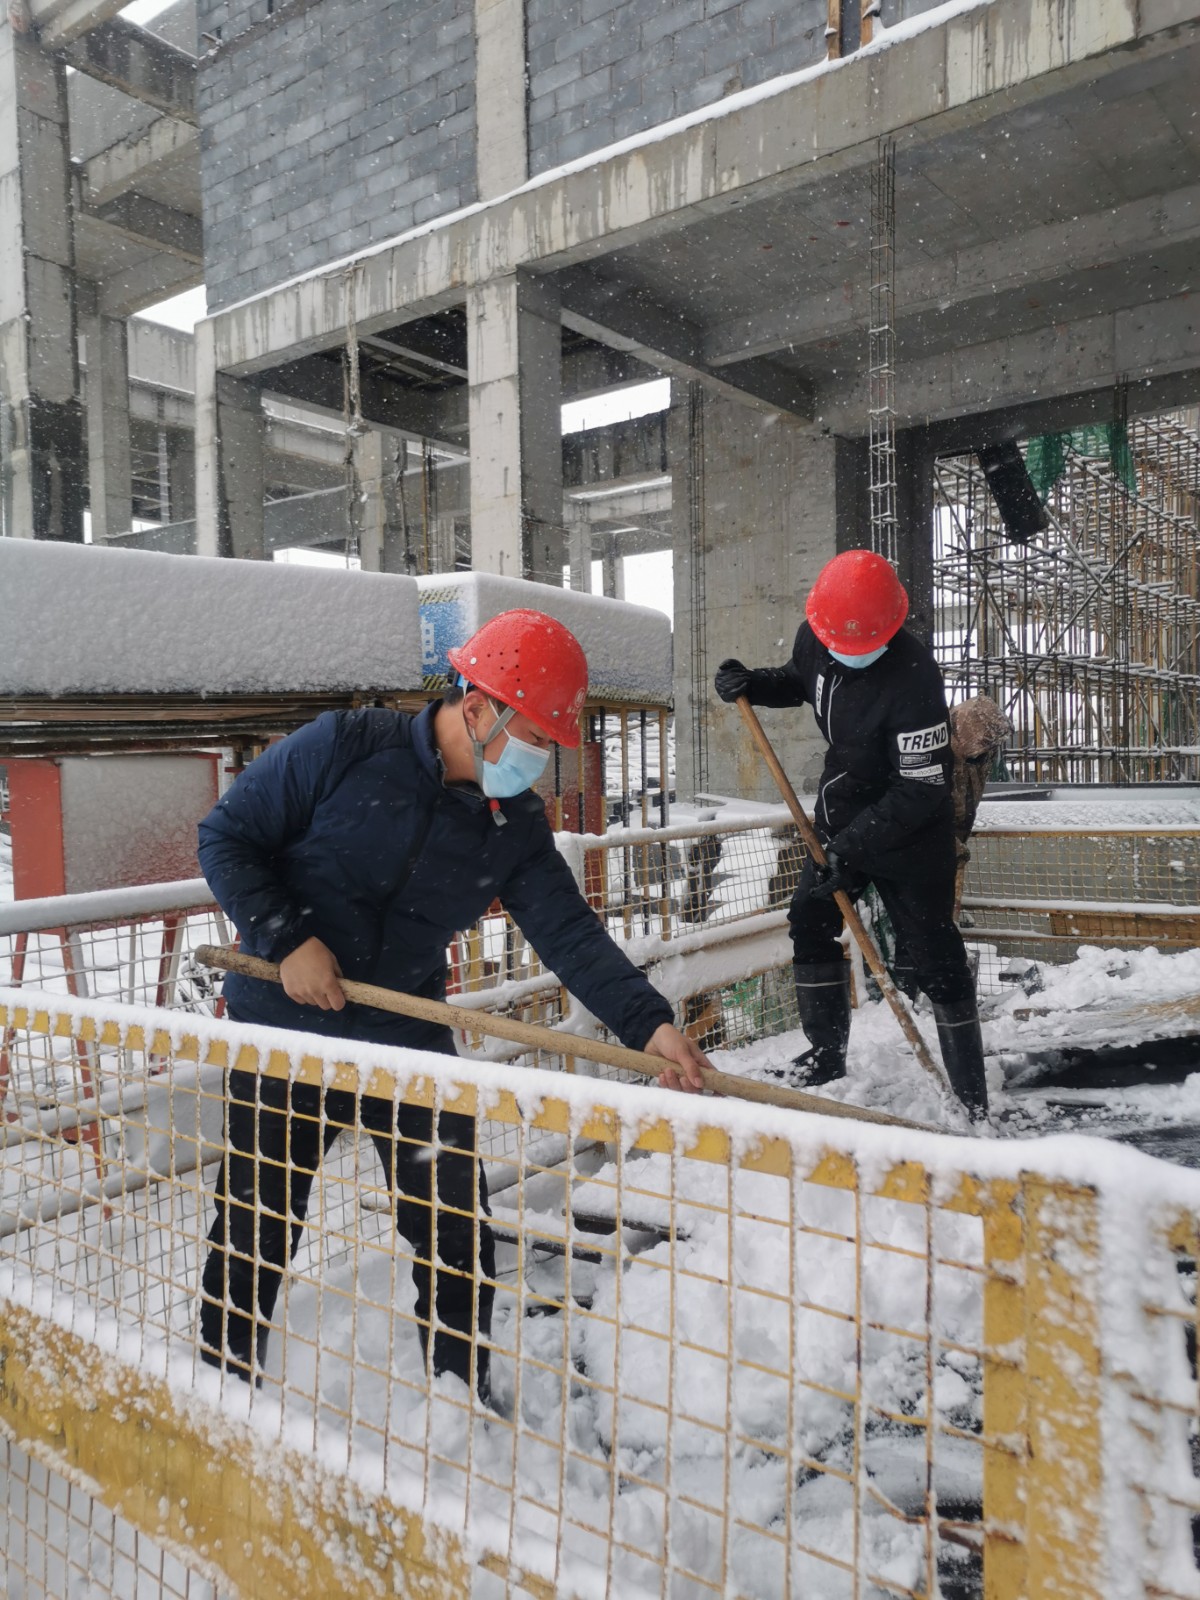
<point x="528" y="661"/>
<point x="857" y="603"/>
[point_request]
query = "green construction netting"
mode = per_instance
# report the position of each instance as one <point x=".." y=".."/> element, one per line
<point x="1046" y="456"/>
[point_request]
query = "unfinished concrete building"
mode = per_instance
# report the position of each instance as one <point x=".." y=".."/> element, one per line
<point x="424" y="226"/>
<point x="892" y="258"/>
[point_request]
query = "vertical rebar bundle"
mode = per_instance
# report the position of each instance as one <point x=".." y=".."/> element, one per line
<point x="882" y="353"/>
<point x="1090" y="636"/>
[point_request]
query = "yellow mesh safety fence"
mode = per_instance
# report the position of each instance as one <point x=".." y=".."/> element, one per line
<point x="728" y="1355"/>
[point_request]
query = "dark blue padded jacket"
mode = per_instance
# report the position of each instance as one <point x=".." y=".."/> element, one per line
<point x="345" y="831"/>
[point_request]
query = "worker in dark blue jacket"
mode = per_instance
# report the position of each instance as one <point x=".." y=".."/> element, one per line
<point x="358" y="848"/>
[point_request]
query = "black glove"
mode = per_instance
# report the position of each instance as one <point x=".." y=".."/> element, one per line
<point x="831" y="877"/>
<point x="732" y="680"/>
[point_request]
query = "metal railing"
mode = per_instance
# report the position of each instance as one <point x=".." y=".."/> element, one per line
<point x="728" y="1355"/>
<point x="716" y="890"/>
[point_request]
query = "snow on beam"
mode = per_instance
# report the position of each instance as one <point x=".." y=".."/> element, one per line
<point x="81" y="620"/>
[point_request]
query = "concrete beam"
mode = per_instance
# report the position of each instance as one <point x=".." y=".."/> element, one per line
<point x="151" y="405"/>
<point x="1059" y="413"/>
<point x="951" y="76"/>
<point x="163" y="357"/>
<point x="1139" y="344"/>
<point x="155" y="277"/>
<point x="146" y="222"/>
<point x="416" y="413"/>
<point x="139" y="64"/>
<point x="629" y="321"/>
<point x="144" y="154"/>
<point x="325" y="451"/>
<point x="58" y="22"/>
<point x="596" y="370"/>
<point x="633" y="450"/>
<point x="622" y="503"/>
<point x="1027" y="264"/>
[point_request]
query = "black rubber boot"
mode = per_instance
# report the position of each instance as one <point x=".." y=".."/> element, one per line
<point x="823" y="1000"/>
<point x="962" y="1054"/>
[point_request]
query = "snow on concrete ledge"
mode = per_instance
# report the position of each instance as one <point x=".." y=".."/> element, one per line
<point x="628" y="647"/>
<point x="80" y="619"/>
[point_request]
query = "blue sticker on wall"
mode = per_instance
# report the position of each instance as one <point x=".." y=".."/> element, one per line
<point x="443" y="626"/>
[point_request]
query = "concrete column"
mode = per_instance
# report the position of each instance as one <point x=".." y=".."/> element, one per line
<point x="230" y="459"/>
<point x="181" y="476"/>
<point x="914" y="514"/>
<point x="612" y="570"/>
<point x="514" y="358"/>
<point x="110" y="467"/>
<point x="501" y="127"/>
<point x="381" y="543"/>
<point x="915" y="505"/>
<point x="755" y="518"/>
<point x="579" y="548"/>
<point x="42" y="452"/>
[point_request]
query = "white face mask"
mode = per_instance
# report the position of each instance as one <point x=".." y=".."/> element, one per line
<point x="858" y="661"/>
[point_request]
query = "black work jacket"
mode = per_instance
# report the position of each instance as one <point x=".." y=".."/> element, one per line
<point x="345" y="831"/>
<point x="885" y="794"/>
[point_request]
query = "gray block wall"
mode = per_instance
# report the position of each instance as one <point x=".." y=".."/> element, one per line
<point x="327" y="125"/>
<point x="601" y="70"/>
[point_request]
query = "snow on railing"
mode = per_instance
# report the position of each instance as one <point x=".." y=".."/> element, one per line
<point x="732" y="1350"/>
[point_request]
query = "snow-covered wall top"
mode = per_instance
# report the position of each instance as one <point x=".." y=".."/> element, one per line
<point x="1083" y="808"/>
<point x="628" y="647"/>
<point x="78" y="619"/>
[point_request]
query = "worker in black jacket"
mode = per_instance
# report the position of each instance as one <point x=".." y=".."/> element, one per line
<point x="884" y="811"/>
<point x="358" y="847"/>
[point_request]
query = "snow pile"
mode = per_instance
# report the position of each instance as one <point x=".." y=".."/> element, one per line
<point x="1113" y="997"/>
<point x="628" y="647"/>
<point x="78" y="619"/>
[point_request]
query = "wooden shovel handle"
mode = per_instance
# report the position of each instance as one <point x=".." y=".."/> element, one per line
<point x="535" y="1037"/>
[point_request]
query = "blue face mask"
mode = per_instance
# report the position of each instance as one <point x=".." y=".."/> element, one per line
<point x="858" y="661"/>
<point x="518" y="767"/>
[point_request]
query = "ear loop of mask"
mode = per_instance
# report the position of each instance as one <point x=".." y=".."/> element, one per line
<point x="503" y="717"/>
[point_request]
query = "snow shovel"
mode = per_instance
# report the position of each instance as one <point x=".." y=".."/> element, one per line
<point x="561" y="1043"/>
<point x="846" y="906"/>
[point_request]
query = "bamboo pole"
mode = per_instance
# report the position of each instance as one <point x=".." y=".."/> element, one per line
<point x="846" y="906"/>
<point x="536" y="1037"/>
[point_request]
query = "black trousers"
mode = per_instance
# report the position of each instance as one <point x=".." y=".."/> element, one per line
<point x="922" y="912"/>
<point x="275" y="1142"/>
